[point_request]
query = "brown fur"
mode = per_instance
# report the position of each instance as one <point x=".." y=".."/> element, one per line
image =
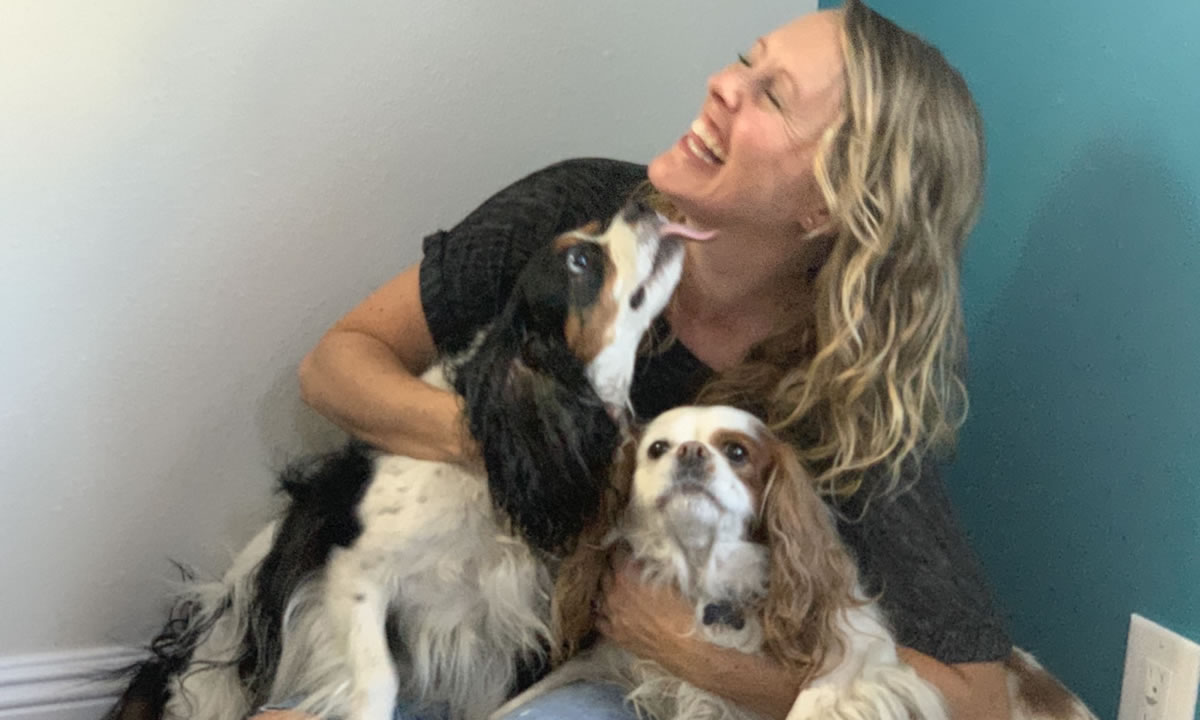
<point x="812" y="577"/>
<point x="590" y="331"/>
<point x="1041" y="692"/>
<point x="577" y="587"/>
<point x="755" y="473"/>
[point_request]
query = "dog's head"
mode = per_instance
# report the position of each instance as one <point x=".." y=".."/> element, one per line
<point x="709" y="475"/>
<point x="545" y="383"/>
<point x="595" y="291"/>
<point x="702" y="475"/>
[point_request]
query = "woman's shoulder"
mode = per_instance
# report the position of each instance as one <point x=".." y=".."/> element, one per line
<point x="596" y="185"/>
<point x="598" y="171"/>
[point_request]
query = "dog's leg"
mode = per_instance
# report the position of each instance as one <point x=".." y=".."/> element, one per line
<point x="358" y="614"/>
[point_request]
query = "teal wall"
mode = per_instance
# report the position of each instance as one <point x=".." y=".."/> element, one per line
<point x="1078" y="473"/>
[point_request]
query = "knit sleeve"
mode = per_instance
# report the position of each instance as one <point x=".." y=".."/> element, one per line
<point x="911" y="549"/>
<point x="467" y="272"/>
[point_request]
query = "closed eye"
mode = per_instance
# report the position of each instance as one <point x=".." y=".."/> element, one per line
<point x="764" y="85"/>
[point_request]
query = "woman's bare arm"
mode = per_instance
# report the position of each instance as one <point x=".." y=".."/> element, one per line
<point x="653" y="622"/>
<point x="364" y="376"/>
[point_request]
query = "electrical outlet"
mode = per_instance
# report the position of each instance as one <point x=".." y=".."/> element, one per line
<point x="1162" y="674"/>
<point x="1155" y="690"/>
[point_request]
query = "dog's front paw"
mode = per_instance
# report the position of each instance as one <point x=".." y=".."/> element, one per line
<point x="373" y="702"/>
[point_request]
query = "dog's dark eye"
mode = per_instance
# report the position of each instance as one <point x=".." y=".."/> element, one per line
<point x="578" y="259"/>
<point x="657" y="449"/>
<point x="736" y="453"/>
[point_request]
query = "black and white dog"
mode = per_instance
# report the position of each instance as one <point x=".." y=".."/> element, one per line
<point x="389" y="577"/>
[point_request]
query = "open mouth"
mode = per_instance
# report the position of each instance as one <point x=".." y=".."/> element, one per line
<point x="704" y="143"/>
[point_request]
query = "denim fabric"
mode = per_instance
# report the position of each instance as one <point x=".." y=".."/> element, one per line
<point x="577" y="701"/>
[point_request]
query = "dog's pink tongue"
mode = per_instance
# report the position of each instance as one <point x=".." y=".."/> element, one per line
<point x="684" y="231"/>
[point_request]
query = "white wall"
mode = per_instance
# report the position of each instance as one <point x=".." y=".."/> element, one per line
<point x="191" y="191"/>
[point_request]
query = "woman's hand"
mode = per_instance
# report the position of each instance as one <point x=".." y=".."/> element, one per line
<point x="656" y="623"/>
<point x="651" y="621"/>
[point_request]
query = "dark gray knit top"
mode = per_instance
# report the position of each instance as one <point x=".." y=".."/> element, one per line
<point x="908" y="547"/>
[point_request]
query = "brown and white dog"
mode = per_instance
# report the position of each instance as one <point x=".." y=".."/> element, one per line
<point x="720" y="508"/>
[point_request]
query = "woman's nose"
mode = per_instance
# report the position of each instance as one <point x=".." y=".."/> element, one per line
<point x="727" y="87"/>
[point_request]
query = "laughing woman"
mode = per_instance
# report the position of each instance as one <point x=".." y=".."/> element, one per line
<point x="839" y="161"/>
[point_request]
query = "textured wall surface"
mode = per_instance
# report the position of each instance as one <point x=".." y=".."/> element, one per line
<point x="191" y="192"/>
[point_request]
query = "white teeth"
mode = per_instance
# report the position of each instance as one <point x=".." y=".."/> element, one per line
<point x="700" y="128"/>
<point x="699" y="150"/>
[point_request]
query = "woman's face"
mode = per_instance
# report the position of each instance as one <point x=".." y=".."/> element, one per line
<point x="747" y="160"/>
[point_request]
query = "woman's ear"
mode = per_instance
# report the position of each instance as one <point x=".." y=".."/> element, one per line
<point x="816" y="221"/>
<point x="811" y="578"/>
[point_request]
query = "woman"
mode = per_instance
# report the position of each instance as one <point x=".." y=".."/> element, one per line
<point x="840" y="163"/>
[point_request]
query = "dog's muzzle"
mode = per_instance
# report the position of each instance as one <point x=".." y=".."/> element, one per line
<point x="691" y="458"/>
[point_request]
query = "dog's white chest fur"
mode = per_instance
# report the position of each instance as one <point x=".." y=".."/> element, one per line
<point x="466" y="597"/>
<point x="431" y="530"/>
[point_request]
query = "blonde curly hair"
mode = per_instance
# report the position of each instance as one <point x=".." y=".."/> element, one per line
<point x="872" y="378"/>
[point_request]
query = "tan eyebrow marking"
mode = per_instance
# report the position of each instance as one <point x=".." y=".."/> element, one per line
<point x="752" y="473"/>
<point x="590" y="329"/>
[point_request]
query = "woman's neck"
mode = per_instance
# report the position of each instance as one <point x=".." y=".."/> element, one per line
<point x="735" y="292"/>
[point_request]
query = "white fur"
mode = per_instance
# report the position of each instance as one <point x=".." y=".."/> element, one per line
<point x="473" y="598"/>
<point x="700" y="544"/>
<point x="633" y="252"/>
<point x="213" y="689"/>
<point x="467" y="595"/>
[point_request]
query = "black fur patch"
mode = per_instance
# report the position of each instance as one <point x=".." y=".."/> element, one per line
<point x="546" y="437"/>
<point x="146" y="696"/>
<point x="325" y="492"/>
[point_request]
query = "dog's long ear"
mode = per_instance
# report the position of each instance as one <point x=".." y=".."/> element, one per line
<point x="546" y="439"/>
<point x="578" y="585"/>
<point x="812" y="576"/>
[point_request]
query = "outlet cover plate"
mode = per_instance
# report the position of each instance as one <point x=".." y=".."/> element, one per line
<point x="1150" y="645"/>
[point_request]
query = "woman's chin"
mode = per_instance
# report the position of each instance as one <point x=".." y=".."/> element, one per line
<point x="662" y="169"/>
<point x="669" y="174"/>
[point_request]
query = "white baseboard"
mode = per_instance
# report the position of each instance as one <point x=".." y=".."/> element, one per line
<point x="61" y="685"/>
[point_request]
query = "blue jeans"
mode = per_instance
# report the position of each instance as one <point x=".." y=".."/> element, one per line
<point x="577" y="701"/>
